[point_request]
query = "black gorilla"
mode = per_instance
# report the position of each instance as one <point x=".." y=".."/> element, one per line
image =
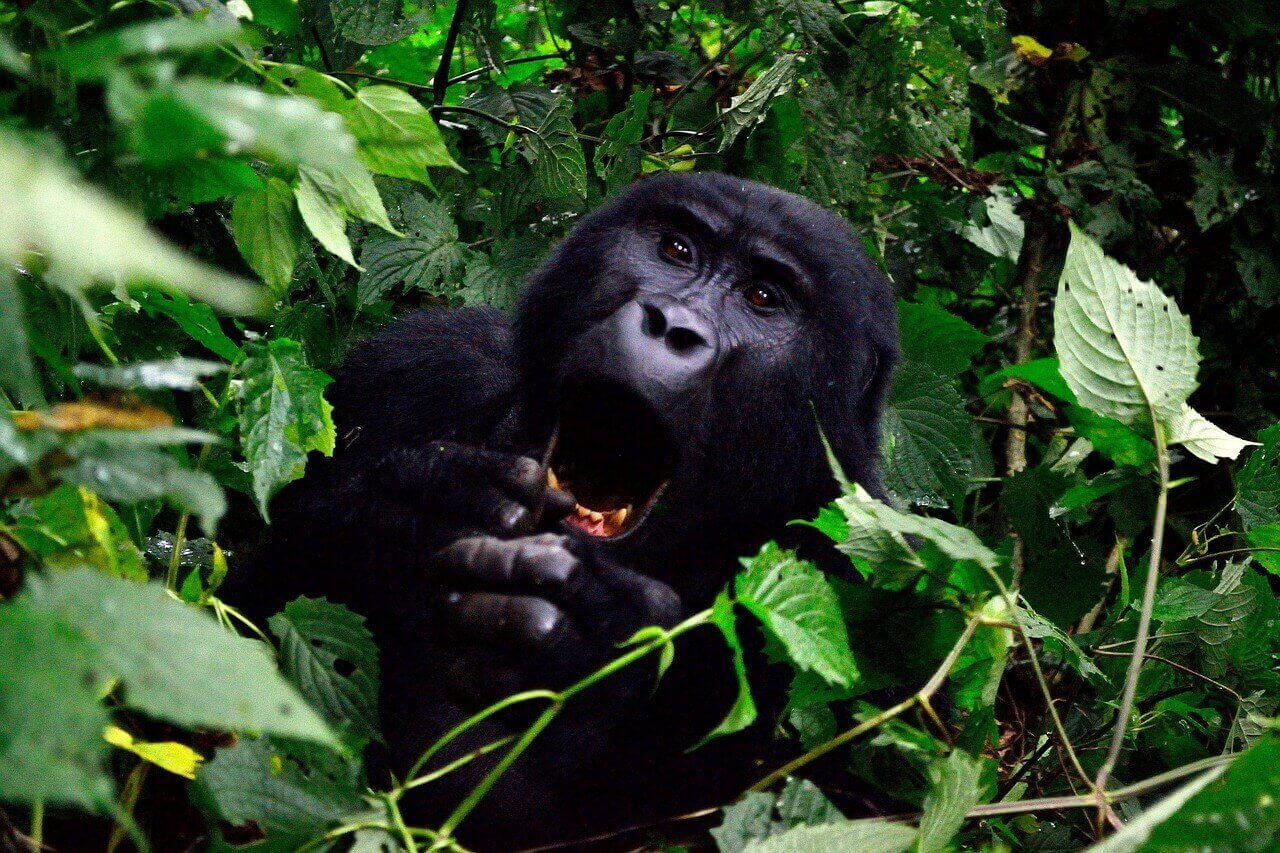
<point x="666" y="365"/>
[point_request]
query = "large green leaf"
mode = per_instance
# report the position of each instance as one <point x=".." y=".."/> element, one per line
<point x="395" y="134"/>
<point x="1258" y="483"/>
<point x="176" y="662"/>
<point x="938" y="339"/>
<point x="179" y="373"/>
<point x="327" y="651"/>
<point x="1127" y="352"/>
<point x="268" y="232"/>
<point x="429" y="257"/>
<point x="51" y="717"/>
<point x="929" y="443"/>
<point x="327" y="198"/>
<point x="559" y="166"/>
<point x="866" y="836"/>
<point x="90" y="238"/>
<point x="794" y="602"/>
<point x="70" y="526"/>
<point x="283" y="415"/>
<point x="747" y="110"/>
<point x="1002" y="235"/>
<point x="954" y="788"/>
<point x="96" y="56"/>
<point x="1231" y="811"/>
<point x="17" y="372"/>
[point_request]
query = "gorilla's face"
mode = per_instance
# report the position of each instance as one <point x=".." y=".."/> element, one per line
<point x="686" y="329"/>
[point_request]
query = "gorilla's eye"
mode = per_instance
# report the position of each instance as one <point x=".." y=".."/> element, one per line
<point x="762" y="296"/>
<point x="676" y="249"/>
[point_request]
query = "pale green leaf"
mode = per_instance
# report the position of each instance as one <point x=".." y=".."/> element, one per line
<point x="323" y="219"/>
<point x="178" y="373"/>
<point x="747" y="110"/>
<point x="395" y="134"/>
<point x="864" y="836"/>
<point x="954" y="788"/>
<point x="268" y="232"/>
<point x="92" y="239"/>
<point x="797" y="605"/>
<point x="1204" y="439"/>
<point x="1002" y="235"/>
<point x="1124" y="348"/>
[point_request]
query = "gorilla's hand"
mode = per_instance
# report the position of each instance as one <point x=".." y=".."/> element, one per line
<point x="465" y="489"/>
<point x="541" y="611"/>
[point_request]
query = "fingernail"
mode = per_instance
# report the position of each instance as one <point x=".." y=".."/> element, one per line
<point x="515" y="518"/>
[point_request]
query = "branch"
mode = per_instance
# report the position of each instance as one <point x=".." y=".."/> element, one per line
<point x="440" y="84"/>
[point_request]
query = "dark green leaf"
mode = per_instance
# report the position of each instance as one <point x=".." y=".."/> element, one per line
<point x="929" y="443"/>
<point x="938" y="339"/>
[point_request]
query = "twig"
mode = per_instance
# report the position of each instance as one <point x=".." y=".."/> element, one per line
<point x="1178" y="666"/>
<point x="440" y="84"/>
<point x="1228" y="553"/>
<point x="1144" y="619"/>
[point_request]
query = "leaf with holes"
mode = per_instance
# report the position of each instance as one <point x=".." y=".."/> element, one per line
<point x="327" y="651"/>
<point x="283" y="415"/>
<point x="375" y="22"/>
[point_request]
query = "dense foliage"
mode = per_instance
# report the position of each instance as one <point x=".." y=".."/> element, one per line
<point x="1079" y="202"/>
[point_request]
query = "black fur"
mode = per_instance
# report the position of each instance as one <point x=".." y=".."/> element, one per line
<point x="431" y="413"/>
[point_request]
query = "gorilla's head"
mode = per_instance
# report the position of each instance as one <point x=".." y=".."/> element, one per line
<point x="681" y="341"/>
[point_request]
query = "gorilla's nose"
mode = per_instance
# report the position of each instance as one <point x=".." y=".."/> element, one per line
<point x="665" y="346"/>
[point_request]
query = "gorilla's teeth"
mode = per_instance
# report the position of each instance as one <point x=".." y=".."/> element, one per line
<point x="552" y="480"/>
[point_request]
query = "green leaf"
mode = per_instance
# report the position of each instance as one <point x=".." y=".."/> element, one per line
<point x="938" y="339"/>
<point x="1204" y="439"/>
<point x="280" y="15"/>
<point x="559" y="166"/>
<point x="743" y="711"/>
<point x="929" y="442"/>
<point x="177" y="663"/>
<point x="747" y="110"/>
<point x="1267" y="540"/>
<point x="864" y="836"/>
<point x="268" y="232"/>
<point x="178" y="373"/>
<point x="1225" y="809"/>
<point x="327" y="651"/>
<point x="71" y="527"/>
<point x="617" y="157"/>
<point x="1258" y="483"/>
<point x="324" y="219"/>
<point x="429" y="257"/>
<point x="797" y="606"/>
<point x="1002" y="235"/>
<point x="954" y="788"/>
<point x="90" y="238"/>
<point x="395" y="134"/>
<point x="1119" y="443"/>
<point x="195" y="319"/>
<point x="1123" y="346"/>
<point x="375" y="22"/>
<point x="293" y="793"/>
<point x="327" y="198"/>
<point x="1043" y="373"/>
<point x="747" y="820"/>
<point x="132" y="474"/>
<point x="17" y="372"/>
<point x="95" y="57"/>
<point x="51" y="717"/>
<point x="283" y="415"/>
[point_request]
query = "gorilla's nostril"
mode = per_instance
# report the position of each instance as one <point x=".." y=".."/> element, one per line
<point x="655" y="322"/>
<point x="683" y="340"/>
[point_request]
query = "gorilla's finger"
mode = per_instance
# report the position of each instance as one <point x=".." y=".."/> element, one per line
<point x="511" y="621"/>
<point x="649" y="600"/>
<point x="538" y="564"/>
<point x="476" y="683"/>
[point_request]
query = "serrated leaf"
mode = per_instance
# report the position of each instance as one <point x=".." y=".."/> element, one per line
<point x="1204" y="439"/>
<point x="375" y="22"/>
<point x="327" y="198"/>
<point x="429" y="256"/>
<point x="51" y="717"/>
<point x="291" y="792"/>
<point x="323" y="218"/>
<point x="395" y="134"/>
<point x="938" y="339"/>
<point x="864" y="514"/>
<point x="92" y="239"/>
<point x="283" y="415"/>
<point x="1124" y="348"/>
<point x="327" y="651"/>
<point x="71" y="526"/>
<point x="864" y="836"/>
<point x="794" y="602"/>
<point x="954" y="788"/>
<point x="553" y="150"/>
<point x="747" y="110"/>
<point x="1258" y="483"/>
<point x="1266" y="541"/>
<point x="929" y="443"/>
<point x="176" y="662"/>
<point x="195" y="319"/>
<point x="268" y="232"/>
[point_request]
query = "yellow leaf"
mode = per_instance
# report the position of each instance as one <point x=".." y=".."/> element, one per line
<point x="87" y="414"/>
<point x="177" y="758"/>
<point x="1030" y="51"/>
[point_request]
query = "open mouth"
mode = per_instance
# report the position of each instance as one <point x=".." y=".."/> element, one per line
<point x="611" y="452"/>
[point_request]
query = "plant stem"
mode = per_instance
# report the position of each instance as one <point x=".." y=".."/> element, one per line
<point x="440" y="84"/>
<point x="37" y="824"/>
<point x="1144" y="620"/>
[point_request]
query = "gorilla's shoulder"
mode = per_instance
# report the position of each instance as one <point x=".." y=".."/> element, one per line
<point x="427" y="373"/>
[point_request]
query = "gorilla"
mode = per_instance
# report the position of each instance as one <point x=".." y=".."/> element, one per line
<point x="510" y="500"/>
